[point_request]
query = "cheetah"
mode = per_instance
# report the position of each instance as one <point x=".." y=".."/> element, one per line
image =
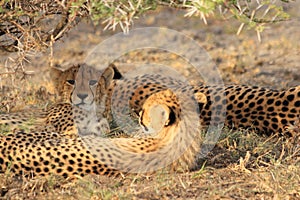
<point x="76" y="107"/>
<point x="173" y="146"/>
<point x="266" y="111"/>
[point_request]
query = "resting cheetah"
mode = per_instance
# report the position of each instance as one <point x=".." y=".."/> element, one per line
<point x="43" y="153"/>
<point x="238" y="106"/>
<point x="76" y="107"/>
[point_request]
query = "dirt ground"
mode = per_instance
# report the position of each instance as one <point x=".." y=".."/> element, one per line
<point x="241" y="166"/>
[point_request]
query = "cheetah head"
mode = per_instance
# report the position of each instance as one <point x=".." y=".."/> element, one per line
<point x="162" y="109"/>
<point x="80" y="83"/>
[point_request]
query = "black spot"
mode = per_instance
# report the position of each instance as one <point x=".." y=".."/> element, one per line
<point x="284" y="121"/>
<point x="293" y="110"/>
<point x="260" y="101"/>
<point x="270" y="109"/>
<point x="136" y="102"/>
<point x="266" y="123"/>
<point x="201" y="105"/>
<point x="298" y="94"/>
<point x="270" y="101"/>
<point x="240" y="105"/>
<point x="219" y="107"/>
<point x="224" y="101"/>
<point x="70" y="169"/>
<point x="217" y="98"/>
<point x="46" y="162"/>
<point x="239" y="116"/>
<point x="284" y="109"/>
<point x="292" y="89"/>
<point x="297" y="104"/>
<point x="229" y="107"/>
<point x="35" y="163"/>
<point x="231" y="98"/>
<point x="252" y="104"/>
<point x="242" y="95"/>
<point x="38" y="170"/>
<point x="269" y="94"/>
<point x="285" y="103"/>
<point x="259" y="108"/>
<point x="290" y="97"/>
<point x="238" y="89"/>
<point x="275" y="126"/>
<point x="87" y="162"/>
<point x="278" y="103"/>
<point x="282" y="115"/>
<point x="291" y="116"/>
<point x="46" y="169"/>
<point x="282" y="94"/>
<point x="244" y="120"/>
<point x="65" y="175"/>
<point x="237" y="112"/>
<point x="251" y="96"/>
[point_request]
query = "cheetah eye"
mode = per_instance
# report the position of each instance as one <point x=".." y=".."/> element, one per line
<point x="93" y="82"/>
<point x="72" y="82"/>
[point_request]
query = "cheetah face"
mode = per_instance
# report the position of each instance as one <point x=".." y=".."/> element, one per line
<point x="153" y="119"/>
<point x="159" y="110"/>
<point x="163" y="109"/>
<point x="80" y="83"/>
<point x="84" y="86"/>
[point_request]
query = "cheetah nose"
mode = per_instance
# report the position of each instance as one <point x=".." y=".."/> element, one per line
<point x="82" y="96"/>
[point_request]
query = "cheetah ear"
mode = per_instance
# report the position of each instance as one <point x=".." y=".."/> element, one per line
<point x="55" y="72"/>
<point x="201" y="99"/>
<point x="117" y="73"/>
<point x="108" y="75"/>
